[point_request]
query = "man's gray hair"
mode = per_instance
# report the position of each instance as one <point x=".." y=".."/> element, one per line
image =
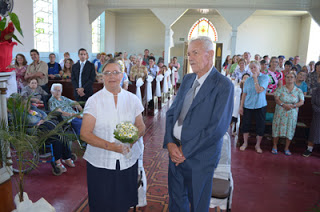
<point x="56" y="85"/>
<point x="206" y="41"/>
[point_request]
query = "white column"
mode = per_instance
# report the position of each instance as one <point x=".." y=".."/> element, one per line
<point x="167" y="44"/>
<point x="234" y="40"/>
<point x="5" y="172"/>
<point x="235" y="17"/>
<point x="168" y="17"/>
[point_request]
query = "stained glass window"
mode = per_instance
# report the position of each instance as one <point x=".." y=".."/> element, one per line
<point x="203" y="27"/>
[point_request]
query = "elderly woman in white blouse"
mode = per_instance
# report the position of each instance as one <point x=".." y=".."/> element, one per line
<point x="111" y="176"/>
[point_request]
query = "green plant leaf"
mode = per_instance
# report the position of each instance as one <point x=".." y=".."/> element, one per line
<point x="15" y="20"/>
<point x="3" y="23"/>
<point x="15" y="37"/>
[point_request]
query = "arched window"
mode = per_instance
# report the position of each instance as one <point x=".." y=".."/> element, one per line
<point x="44" y="17"/>
<point x="203" y="27"/>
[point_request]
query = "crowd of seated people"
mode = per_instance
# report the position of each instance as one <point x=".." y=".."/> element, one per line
<point x="289" y="83"/>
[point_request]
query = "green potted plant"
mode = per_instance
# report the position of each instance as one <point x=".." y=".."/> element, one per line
<point x="17" y="135"/>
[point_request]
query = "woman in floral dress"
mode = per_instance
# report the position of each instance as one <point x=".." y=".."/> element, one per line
<point x="20" y="66"/>
<point x="288" y="99"/>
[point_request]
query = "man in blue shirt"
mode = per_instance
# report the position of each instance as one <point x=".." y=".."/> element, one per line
<point x="54" y="68"/>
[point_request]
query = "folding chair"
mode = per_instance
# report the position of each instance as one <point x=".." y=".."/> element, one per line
<point x="222" y="184"/>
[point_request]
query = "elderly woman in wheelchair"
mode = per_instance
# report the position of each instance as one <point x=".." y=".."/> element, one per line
<point x="61" y="149"/>
<point x="65" y="106"/>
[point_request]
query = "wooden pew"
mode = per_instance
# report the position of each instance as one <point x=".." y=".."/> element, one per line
<point x="303" y="123"/>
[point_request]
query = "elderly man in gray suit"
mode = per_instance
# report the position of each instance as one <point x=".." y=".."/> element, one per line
<point x="195" y="125"/>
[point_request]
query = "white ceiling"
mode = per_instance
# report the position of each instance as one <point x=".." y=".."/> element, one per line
<point x="211" y="12"/>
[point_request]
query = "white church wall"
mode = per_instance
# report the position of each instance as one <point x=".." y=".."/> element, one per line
<point x="74" y="28"/>
<point x="269" y="35"/>
<point x="314" y="43"/>
<point x="24" y="8"/>
<point x="135" y="33"/>
<point x="110" y="32"/>
<point x="304" y="34"/>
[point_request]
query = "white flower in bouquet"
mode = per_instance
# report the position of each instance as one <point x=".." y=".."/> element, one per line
<point x="126" y="132"/>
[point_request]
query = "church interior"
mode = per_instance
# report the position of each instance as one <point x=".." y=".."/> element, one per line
<point x="274" y="28"/>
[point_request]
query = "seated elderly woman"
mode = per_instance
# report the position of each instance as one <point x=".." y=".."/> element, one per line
<point x="65" y="106"/>
<point x="61" y="150"/>
<point x="288" y="99"/>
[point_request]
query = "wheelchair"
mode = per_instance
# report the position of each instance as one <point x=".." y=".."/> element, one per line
<point x="34" y="155"/>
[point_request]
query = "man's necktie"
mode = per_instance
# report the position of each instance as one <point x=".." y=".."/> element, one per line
<point x="80" y="75"/>
<point x="187" y="102"/>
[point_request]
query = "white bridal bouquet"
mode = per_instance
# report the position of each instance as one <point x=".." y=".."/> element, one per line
<point x="126" y="133"/>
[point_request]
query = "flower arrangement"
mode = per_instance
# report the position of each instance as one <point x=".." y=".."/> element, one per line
<point x="126" y="132"/>
<point x="120" y="62"/>
<point x="7" y="27"/>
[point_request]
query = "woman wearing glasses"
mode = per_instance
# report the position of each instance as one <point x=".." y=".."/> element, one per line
<point x="288" y="98"/>
<point x="111" y="176"/>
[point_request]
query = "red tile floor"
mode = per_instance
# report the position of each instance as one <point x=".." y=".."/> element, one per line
<point x="263" y="182"/>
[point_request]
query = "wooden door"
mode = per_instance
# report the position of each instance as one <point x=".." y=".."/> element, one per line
<point x="218" y="59"/>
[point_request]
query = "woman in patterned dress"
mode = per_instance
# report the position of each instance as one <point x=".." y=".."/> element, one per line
<point x="138" y="71"/>
<point x="20" y="66"/>
<point x="314" y="135"/>
<point x="275" y="76"/>
<point x="288" y="99"/>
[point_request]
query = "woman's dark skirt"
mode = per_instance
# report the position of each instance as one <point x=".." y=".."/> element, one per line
<point x="314" y="135"/>
<point x="112" y="190"/>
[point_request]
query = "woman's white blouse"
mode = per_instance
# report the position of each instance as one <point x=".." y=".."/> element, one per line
<point x="102" y="107"/>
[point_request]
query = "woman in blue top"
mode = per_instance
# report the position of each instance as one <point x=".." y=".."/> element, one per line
<point x="300" y="82"/>
<point x="254" y="102"/>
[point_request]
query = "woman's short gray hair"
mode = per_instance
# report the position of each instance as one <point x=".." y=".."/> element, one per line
<point x="56" y="85"/>
<point x="206" y="42"/>
<point x="111" y="61"/>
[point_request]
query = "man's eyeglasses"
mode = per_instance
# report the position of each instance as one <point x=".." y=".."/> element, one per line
<point x="109" y="73"/>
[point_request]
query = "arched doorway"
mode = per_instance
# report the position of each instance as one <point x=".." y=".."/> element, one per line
<point x="202" y="27"/>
